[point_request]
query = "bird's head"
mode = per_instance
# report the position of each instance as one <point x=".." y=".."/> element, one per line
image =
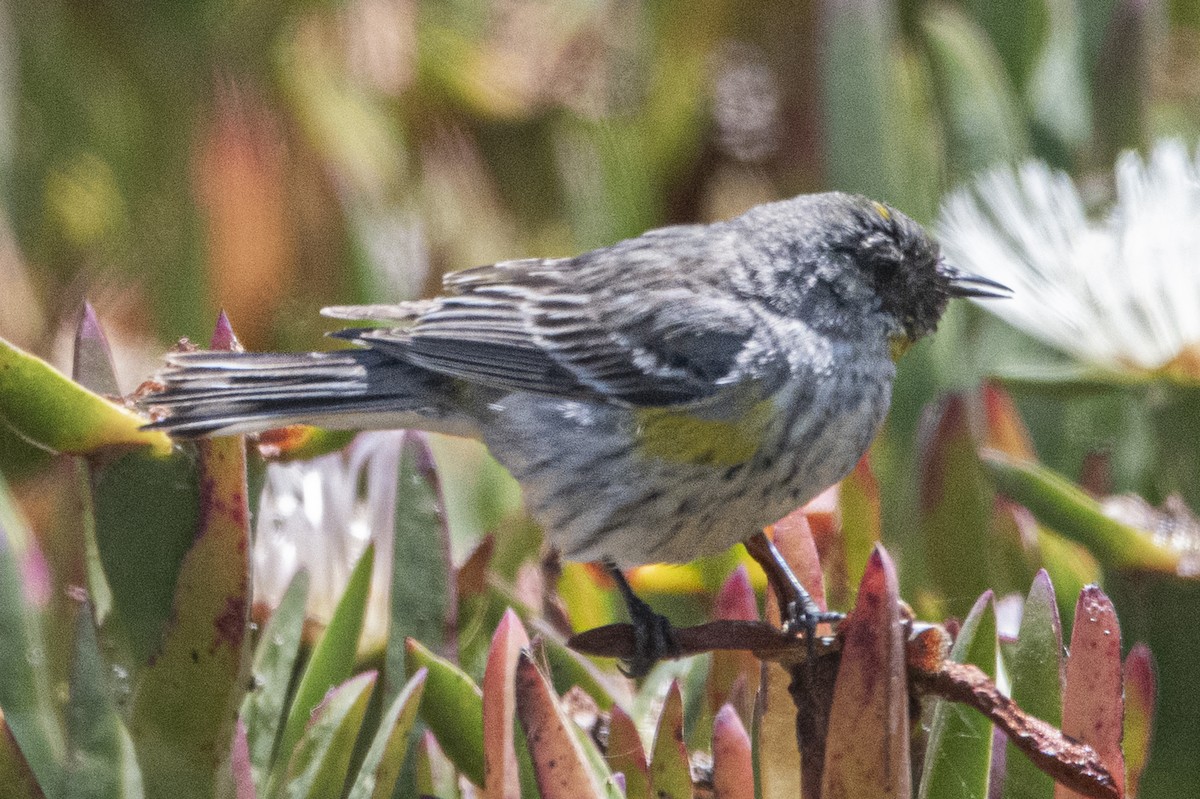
<point x="902" y="266"/>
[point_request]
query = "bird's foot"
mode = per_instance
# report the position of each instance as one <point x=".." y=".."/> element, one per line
<point x="653" y="635"/>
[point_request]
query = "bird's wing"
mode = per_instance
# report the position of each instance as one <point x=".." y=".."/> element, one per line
<point x="553" y="329"/>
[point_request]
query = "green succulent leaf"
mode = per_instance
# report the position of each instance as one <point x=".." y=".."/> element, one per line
<point x="96" y="755"/>
<point x="452" y="706"/>
<point x="25" y="696"/>
<point x="384" y="759"/>
<point x="983" y="120"/>
<point x="51" y="411"/>
<point x="1036" y="673"/>
<point x="958" y="756"/>
<point x="265" y="707"/>
<point x="422" y="590"/>
<point x="1063" y="506"/>
<point x="331" y="663"/>
<point x="319" y="764"/>
<point x="184" y="705"/>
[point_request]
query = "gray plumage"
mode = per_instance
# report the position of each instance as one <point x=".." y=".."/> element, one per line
<point x="762" y="344"/>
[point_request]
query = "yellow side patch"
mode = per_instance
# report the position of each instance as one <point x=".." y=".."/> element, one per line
<point x="899" y="345"/>
<point x="680" y="437"/>
<point x="883" y="210"/>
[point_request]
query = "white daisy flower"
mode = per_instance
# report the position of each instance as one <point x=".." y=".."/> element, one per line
<point x="1120" y="290"/>
<point x="320" y="515"/>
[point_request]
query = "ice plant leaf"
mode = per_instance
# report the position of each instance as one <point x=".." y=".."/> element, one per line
<point x="321" y="759"/>
<point x="1036" y="674"/>
<point x="422" y="591"/>
<point x="983" y="118"/>
<point x="1005" y="432"/>
<point x="331" y="662"/>
<point x="867" y="751"/>
<point x="862" y="524"/>
<point x="626" y="754"/>
<point x="1063" y="506"/>
<point x="1093" y="709"/>
<point x="452" y="706"/>
<point x="563" y="770"/>
<point x="733" y="770"/>
<point x="55" y="413"/>
<point x="186" y="698"/>
<point x="239" y="764"/>
<point x="25" y="697"/>
<point x="1140" y="692"/>
<point x="735" y="601"/>
<point x="856" y="92"/>
<point x="147" y="510"/>
<point x="956" y="506"/>
<point x="670" y="775"/>
<point x="778" y="762"/>
<point x="502" y="778"/>
<point x="95" y="745"/>
<point x="15" y="772"/>
<point x="264" y="708"/>
<point x="958" y="755"/>
<point x="382" y="764"/>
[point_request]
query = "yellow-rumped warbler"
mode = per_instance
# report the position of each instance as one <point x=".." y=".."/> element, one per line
<point x="658" y="400"/>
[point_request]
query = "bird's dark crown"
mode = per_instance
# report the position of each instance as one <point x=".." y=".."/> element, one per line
<point x="900" y="261"/>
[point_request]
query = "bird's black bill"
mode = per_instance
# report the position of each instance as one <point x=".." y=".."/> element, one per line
<point x="964" y="284"/>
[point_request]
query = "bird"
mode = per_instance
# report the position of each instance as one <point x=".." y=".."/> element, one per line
<point x="658" y="400"/>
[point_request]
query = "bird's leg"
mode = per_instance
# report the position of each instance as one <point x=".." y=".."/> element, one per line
<point x="800" y="612"/>
<point x="654" y="638"/>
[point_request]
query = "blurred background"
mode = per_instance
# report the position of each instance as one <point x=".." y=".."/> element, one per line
<point x="167" y="159"/>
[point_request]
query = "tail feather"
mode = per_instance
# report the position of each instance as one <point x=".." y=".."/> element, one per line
<point x="206" y="393"/>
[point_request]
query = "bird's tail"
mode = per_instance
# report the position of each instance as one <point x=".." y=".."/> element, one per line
<point x="225" y="393"/>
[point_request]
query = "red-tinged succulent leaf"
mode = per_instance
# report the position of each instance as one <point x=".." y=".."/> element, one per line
<point x="92" y="364"/>
<point x="239" y="763"/>
<point x="1005" y="432"/>
<point x="51" y="411"/>
<point x="562" y="768"/>
<point x="958" y="754"/>
<point x="735" y="601"/>
<point x="1093" y="710"/>
<point x="384" y="759"/>
<point x="794" y="540"/>
<point x="502" y="778"/>
<point x="626" y="755"/>
<point x="452" y="706"/>
<point x="186" y="699"/>
<point x="569" y="668"/>
<point x="1036" y="674"/>
<point x="956" y="507"/>
<point x="319" y="765"/>
<point x="1063" y="506"/>
<point x="1140" y="691"/>
<point x="15" y="775"/>
<point x="670" y="774"/>
<point x="777" y="760"/>
<point x="331" y="662"/>
<point x="422" y="591"/>
<point x="861" y="529"/>
<point x="733" y="768"/>
<point x="471" y="578"/>
<point x="867" y="750"/>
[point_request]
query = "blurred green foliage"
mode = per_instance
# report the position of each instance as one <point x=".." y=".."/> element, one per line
<point x="168" y="159"/>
